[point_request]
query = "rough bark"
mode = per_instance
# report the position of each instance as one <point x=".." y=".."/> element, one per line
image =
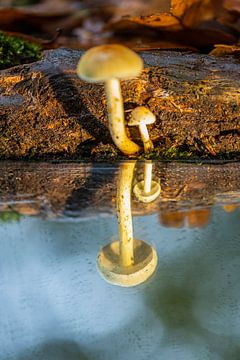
<point x="46" y="111"/>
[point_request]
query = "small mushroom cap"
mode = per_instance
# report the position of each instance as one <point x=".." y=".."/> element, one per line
<point x="147" y="197"/>
<point x="104" y="62"/>
<point x="141" y="115"/>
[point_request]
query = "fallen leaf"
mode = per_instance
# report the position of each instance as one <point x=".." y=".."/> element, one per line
<point x="232" y="5"/>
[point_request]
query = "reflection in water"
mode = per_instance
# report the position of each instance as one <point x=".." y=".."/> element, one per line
<point x="51" y="290"/>
<point x="53" y="303"/>
<point x="59" y="349"/>
<point x="82" y="190"/>
<point x="191" y="218"/>
<point x="198" y="217"/>
<point x="147" y="190"/>
<point x="172" y="218"/>
<point x="230" y="207"/>
<point x="127" y="262"/>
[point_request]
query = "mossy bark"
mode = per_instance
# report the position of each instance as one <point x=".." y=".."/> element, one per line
<point x="47" y="112"/>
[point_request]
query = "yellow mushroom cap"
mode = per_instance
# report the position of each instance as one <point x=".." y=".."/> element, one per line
<point x="141" y="115"/>
<point x="104" y="62"/>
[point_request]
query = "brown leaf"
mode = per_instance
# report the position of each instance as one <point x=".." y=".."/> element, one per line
<point x="129" y="7"/>
<point x="198" y="12"/>
<point x="232" y="5"/>
<point x="180" y="7"/>
<point x="183" y="13"/>
<point x="158" y="20"/>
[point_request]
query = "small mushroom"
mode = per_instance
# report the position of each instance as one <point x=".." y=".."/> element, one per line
<point x="109" y="63"/>
<point x="147" y="190"/>
<point x="127" y="262"/>
<point x="142" y="117"/>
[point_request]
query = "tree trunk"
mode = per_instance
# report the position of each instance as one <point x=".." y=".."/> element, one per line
<point x="47" y="112"/>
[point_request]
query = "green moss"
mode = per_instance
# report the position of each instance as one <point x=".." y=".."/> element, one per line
<point x="173" y="153"/>
<point x="200" y="88"/>
<point x="182" y="153"/>
<point x="177" y="153"/>
<point x="8" y="216"/>
<point x="15" y="51"/>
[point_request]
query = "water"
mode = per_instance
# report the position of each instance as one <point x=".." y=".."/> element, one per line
<point x="55" y="304"/>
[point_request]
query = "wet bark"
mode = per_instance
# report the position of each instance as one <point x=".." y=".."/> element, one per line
<point x="47" y="112"/>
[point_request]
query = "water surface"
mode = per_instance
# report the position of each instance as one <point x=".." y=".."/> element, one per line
<point x="54" y="303"/>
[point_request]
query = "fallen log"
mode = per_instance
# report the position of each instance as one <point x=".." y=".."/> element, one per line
<point x="47" y="112"/>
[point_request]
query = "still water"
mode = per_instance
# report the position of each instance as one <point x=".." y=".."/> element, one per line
<point x="55" y="304"/>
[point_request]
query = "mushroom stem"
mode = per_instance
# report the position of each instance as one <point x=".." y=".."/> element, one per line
<point x="124" y="214"/>
<point x="147" y="143"/>
<point x="116" y="118"/>
<point x="147" y="177"/>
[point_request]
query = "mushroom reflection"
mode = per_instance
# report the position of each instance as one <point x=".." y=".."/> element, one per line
<point x="192" y="218"/>
<point x="127" y="262"/>
<point x="147" y="190"/>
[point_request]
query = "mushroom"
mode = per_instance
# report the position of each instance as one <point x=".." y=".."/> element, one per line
<point x="147" y="190"/>
<point x="142" y="117"/>
<point x="127" y="262"/>
<point x="109" y="63"/>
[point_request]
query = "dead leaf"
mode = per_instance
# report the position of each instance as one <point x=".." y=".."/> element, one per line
<point x="232" y="5"/>
<point x="182" y="14"/>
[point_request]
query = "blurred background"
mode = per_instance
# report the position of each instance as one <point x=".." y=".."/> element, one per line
<point x="194" y="25"/>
